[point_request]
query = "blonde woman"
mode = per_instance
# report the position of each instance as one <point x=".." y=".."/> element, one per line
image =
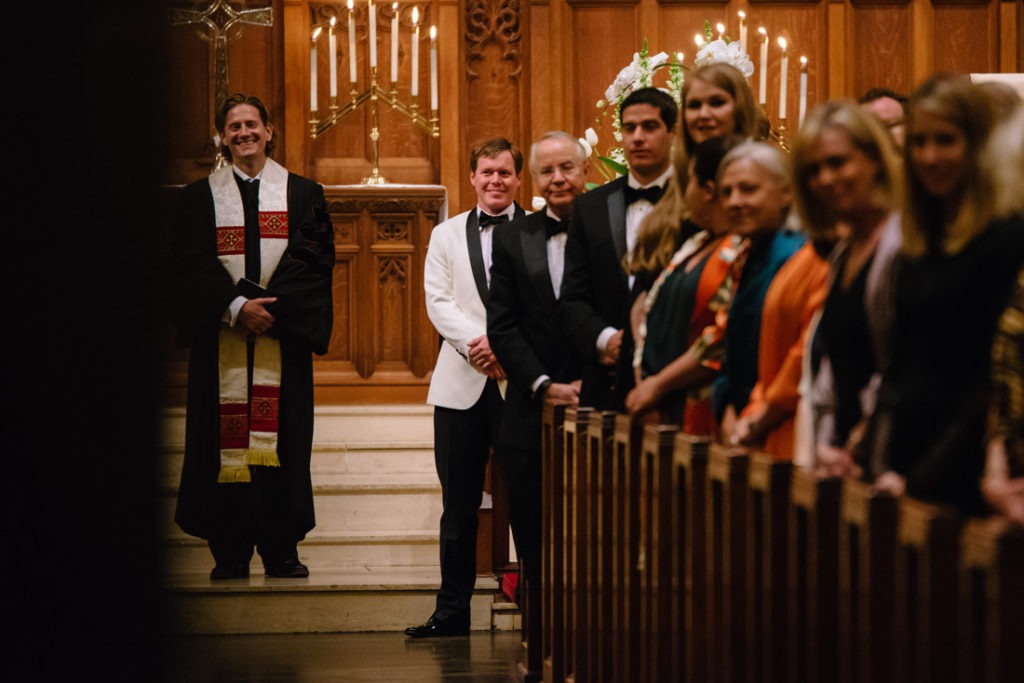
<point x="955" y="277"/>
<point x="848" y="182"/>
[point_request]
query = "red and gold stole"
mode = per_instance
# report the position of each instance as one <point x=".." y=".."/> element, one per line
<point x="248" y="419"/>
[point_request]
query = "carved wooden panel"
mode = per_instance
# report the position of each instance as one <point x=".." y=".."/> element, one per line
<point x="884" y="31"/>
<point x="494" y="54"/>
<point x="383" y="346"/>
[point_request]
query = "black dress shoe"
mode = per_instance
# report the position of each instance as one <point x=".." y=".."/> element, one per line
<point x="287" y="569"/>
<point x="452" y="625"/>
<point x="229" y="571"/>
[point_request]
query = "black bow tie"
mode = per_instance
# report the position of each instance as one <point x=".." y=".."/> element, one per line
<point x="487" y="219"/>
<point x="553" y="226"/>
<point x="651" y="194"/>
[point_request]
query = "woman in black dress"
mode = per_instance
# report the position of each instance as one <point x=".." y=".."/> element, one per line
<point x="955" y="277"/>
<point x="848" y="182"/>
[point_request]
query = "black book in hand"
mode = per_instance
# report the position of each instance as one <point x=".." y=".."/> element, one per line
<point x="251" y="290"/>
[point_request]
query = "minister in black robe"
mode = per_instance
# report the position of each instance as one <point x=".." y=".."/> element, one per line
<point x="274" y="511"/>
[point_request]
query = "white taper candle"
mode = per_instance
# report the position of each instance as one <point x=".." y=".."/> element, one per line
<point x="351" y="43"/>
<point x="762" y="91"/>
<point x="433" y="68"/>
<point x="332" y="41"/>
<point x="394" y="43"/>
<point x="372" y="18"/>
<point x="784" y="68"/>
<point x="415" y="88"/>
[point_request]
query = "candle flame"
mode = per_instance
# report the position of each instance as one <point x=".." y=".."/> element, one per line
<point x="679" y="57"/>
<point x="394" y="6"/>
<point x="433" y="32"/>
<point x="415" y="15"/>
<point x="699" y="39"/>
<point x="349" y="5"/>
<point x="803" y="60"/>
<point x="782" y="44"/>
<point x="742" y="14"/>
<point x="763" y="32"/>
<point x="316" y="32"/>
<point x="333" y="19"/>
<point x="721" y="28"/>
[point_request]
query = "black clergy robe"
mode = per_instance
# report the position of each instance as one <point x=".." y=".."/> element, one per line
<point x="200" y="290"/>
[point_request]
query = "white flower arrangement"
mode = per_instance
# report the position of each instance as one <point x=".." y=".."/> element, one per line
<point x="639" y="73"/>
<point x="728" y="52"/>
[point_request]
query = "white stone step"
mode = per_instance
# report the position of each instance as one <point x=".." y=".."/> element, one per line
<point x="365" y="599"/>
<point x="322" y="551"/>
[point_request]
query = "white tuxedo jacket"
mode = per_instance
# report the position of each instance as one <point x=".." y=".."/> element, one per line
<point x="457" y="312"/>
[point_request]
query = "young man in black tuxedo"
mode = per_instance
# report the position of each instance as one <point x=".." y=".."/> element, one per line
<point x="596" y="292"/>
<point x="528" y="340"/>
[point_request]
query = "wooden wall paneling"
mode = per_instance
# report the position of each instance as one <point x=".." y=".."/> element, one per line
<point x="454" y="155"/>
<point x="884" y="32"/>
<point x="298" y="152"/>
<point x="608" y="35"/>
<point x="965" y="38"/>
<point x="1011" y="36"/>
<point x="922" y="37"/>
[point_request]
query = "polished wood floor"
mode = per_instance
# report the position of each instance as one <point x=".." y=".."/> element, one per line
<point x="482" y="657"/>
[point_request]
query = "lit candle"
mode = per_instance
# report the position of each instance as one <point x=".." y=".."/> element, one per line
<point x="333" y="48"/>
<point x="312" y="69"/>
<point x="743" y="31"/>
<point x="782" y="79"/>
<point x="679" y="58"/>
<point x="394" y="43"/>
<point x="433" y="68"/>
<point x="372" y="18"/>
<point x="721" y="30"/>
<point x="415" y="52"/>
<point x="803" y="88"/>
<point x="762" y="92"/>
<point x="351" y="43"/>
<point x="699" y="39"/>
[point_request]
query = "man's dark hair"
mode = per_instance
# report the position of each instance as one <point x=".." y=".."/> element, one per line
<point x="492" y="148"/>
<point x="878" y="93"/>
<point x="655" y="97"/>
<point x="221" y="117"/>
<point x="708" y="155"/>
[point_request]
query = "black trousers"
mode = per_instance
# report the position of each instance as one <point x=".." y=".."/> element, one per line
<point x="462" y="445"/>
<point x="252" y="515"/>
<point x="521" y="472"/>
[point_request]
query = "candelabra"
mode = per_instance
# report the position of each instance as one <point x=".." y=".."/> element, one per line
<point x="375" y="93"/>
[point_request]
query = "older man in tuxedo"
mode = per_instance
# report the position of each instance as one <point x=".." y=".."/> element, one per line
<point x="596" y="291"/>
<point x="468" y="382"/>
<point x="526" y="335"/>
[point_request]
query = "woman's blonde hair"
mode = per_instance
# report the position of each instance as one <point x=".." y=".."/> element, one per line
<point x="926" y="225"/>
<point x="1004" y="158"/>
<point x="867" y="135"/>
<point x="748" y="119"/>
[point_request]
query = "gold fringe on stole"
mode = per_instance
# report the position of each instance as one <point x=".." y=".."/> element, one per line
<point x="260" y="456"/>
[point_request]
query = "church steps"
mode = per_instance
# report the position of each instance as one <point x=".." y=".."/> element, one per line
<point x="363" y="599"/>
<point x="373" y="555"/>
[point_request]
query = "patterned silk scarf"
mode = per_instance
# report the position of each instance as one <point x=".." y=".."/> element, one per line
<point x="249" y="415"/>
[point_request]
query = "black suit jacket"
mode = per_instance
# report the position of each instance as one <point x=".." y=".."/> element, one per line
<point x="595" y="290"/>
<point x="523" y="327"/>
